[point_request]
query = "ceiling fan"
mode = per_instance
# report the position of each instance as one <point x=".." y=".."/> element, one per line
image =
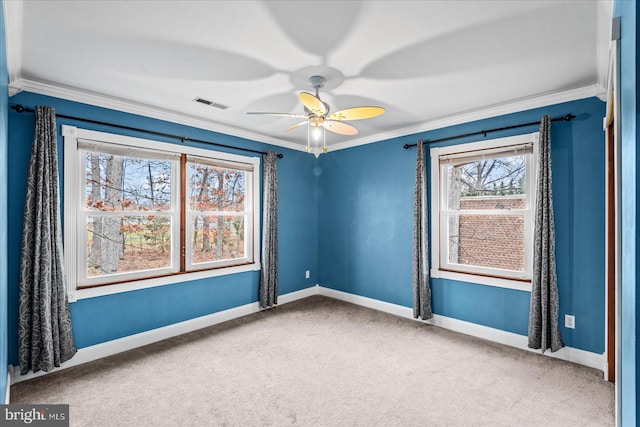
<point x="317" y="113"/>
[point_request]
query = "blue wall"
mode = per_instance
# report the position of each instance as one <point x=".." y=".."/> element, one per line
<point x="4" y="95"/>
<point x="627" y="12"/>
<point x="101" y="319"/>
<point x="361" y="200"/>
<point x="365" y="226"/>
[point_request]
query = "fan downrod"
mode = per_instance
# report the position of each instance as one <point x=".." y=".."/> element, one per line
<point x="317" y="82"/>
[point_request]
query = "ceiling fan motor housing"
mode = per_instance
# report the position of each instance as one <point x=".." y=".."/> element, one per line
<point x="317" y="82"/>
<point x="317" y="111"/>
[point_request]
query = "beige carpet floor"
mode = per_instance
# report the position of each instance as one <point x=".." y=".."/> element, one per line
<point x="322" y="362"/>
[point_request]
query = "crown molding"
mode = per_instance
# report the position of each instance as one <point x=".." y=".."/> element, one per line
<point x="13" y="22"/>
<point x="523" y="104"/>
<point x="119" y="104"/>
<point x="602" y="93"/>
<point x="14" y="19"/>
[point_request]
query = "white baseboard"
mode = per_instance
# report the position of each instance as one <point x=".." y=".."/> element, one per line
<point x="110" y="348"/>
<point x="130" y="342"/>
<point x="581" y="357"/>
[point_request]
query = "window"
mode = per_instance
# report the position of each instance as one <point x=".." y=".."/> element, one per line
<point x="137" y="210"/>
<point x="129" y="220"/>
<point x="218" y="213"/>
<point x="482" y="218"/>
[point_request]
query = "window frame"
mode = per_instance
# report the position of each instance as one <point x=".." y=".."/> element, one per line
<point x="82" y="214"/>
<point x="477" y="274"/>
<point x="74" y="197"/>
<point x="189" y="213"/>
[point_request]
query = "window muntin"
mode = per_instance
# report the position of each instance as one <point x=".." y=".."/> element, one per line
<point x="484" y="209"/>
<point x="144" y="213"/>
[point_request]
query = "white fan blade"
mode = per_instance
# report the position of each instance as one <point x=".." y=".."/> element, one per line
<point x="298" y="125"/>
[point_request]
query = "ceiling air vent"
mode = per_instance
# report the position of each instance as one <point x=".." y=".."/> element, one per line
<point x="211" y="103"/>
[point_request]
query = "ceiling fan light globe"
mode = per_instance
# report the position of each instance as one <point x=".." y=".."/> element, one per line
<point x="316" y="132"/>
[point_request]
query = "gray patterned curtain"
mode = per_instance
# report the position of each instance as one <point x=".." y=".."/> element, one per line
<point x="421" y="288"/>
<point x="269" y="271"/>
<point x="544" y="332"/>
<point x="45" y="334"/>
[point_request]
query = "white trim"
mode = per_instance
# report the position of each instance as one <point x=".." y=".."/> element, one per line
<point x="604" y="16"/>
<point x="481" y="280"/>
<point x="71" y="185"/>
<point x="489" y="144"/>
<point x="13" y="24"/>
<point x="581" y="357"/>
<point x="113" y="138"/>
<point x="618" y="228"/>
<point x="81" y="215"/>
<point x="74" y="238"/>
<point x="7" y="396"/>
<point x="123" y="105"/>
<point x="100" y="291"/>
<point x="251" y="216"/>
<point x="109" y="348"/>
<point x="101" y="100"/>
<point x="438" y="197"/>
<point x="605" y="127"/>
<point x="613" y="86"/>
<point x="524" y="104"/>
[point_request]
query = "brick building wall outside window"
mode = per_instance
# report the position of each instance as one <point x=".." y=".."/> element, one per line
<point x="496" y="241"/>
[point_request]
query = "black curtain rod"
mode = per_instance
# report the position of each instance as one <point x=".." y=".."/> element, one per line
<point x="565" y="118"/>
<point x="20" y="109"/>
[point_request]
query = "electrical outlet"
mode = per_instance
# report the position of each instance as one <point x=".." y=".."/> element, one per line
<point x="307" y="274"/>
<point x="569" y="321"/>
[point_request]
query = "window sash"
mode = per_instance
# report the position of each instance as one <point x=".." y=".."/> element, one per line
<point x="484" y="211"/>
<point x="89" y="145"/>
<point x="247" y="214"/>
<point x="218" y="163"/>
<point x="83" y="280"/>
<point x="486" y="154"/>
<point x="133" y="153"/>
<point x="445" y="250"/>
<point x="191" y="265"/>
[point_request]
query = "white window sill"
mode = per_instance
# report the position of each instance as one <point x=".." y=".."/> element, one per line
<point x="482" y="280"/>
<point x="158" y="281"/>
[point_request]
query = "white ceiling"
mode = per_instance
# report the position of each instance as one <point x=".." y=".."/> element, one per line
<point x="426" y="62"/>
